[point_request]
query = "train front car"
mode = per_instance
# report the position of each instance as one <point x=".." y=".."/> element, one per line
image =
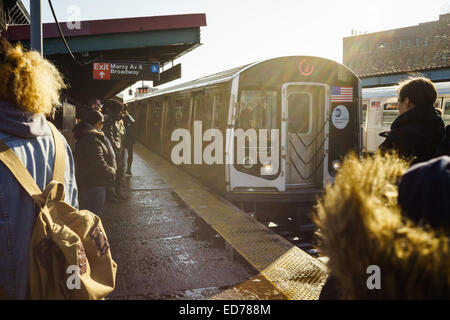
<point x="305" y="114"/>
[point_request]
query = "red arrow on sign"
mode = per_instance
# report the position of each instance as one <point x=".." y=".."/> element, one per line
<point x="101" y="71"/>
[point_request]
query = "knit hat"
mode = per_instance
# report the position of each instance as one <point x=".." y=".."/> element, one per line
<point x="113" y="106"/>
<point x="94" y="104"/>
<point x="424" y="192"/>
<point x="94" y="116"/>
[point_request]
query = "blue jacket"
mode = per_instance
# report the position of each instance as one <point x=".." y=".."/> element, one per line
<point x="31" y="139"/>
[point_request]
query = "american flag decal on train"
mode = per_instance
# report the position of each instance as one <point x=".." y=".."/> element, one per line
<point x="342" y="94"/>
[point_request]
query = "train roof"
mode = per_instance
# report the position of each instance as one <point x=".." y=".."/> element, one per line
<point x="216" y="78"/>
<point x="210" y="79"/>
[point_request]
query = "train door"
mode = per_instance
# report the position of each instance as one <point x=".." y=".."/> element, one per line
<point x="147" y="112"/>
<point x="199" y="114"/>
<point x="155" y="124"/>
<point x="365" y="105"/>
<point x="140" y="116"/>
<point x="304" y="106"/>
<point x="374" y="117"/>
<point x="165" y="135"/>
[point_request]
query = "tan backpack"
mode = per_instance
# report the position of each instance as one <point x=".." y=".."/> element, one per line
<point x="70" y="256"/>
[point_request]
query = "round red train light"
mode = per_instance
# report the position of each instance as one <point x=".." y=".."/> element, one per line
<point x="306" y="68"/>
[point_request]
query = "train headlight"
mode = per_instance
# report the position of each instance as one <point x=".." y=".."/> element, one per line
<point x="336" y="165"/>
<point x="266" y="170"/>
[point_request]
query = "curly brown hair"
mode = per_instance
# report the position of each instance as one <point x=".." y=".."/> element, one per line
<point x="27" y="80"/>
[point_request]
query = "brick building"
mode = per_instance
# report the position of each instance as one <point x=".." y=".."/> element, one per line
<point x="411" y="49"/>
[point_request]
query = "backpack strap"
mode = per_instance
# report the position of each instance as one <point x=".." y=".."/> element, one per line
<point x="59" y="166"/>
<point x="23" y="176"/>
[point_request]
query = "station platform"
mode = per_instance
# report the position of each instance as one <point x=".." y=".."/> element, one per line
<point x="174" y="239"/>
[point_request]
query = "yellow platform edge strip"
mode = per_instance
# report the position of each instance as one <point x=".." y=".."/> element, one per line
<point x="292" y="271"/>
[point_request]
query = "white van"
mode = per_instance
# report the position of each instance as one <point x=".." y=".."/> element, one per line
<point x="380" y="109"/>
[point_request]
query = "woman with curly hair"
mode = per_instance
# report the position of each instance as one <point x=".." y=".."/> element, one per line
<point x="29" y="91"/>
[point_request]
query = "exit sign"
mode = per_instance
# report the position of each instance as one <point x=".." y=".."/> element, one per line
<point x="125" y="71"/>
<point x="102" y="71"/>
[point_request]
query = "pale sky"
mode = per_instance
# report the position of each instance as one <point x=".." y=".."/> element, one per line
<point x="244" y="31"/>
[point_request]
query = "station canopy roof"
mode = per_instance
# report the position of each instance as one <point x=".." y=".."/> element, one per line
<point x="144" y="40"/>
<point x="12" y="12"/>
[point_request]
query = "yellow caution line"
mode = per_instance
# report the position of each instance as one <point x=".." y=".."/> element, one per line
<point x="292" y="271"/>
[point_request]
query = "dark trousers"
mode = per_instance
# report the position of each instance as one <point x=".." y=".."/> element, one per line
<point x="120" y="171"/>
<point x="129" y="156"/>
<point x="92" y="199"/>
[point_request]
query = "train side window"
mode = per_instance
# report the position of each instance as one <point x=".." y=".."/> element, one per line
<point x="200" y="110"/>
<point x="447" y="112"/>
<point x="198" y="105"/>
<point x="390" y="112"/>
<point x="156" y="114"/>
<point x="437" y="104"/>
<point x="207" y="112"/>
<point x="180" y="117"/>
<point x="219" y="115"/>
<point x="257" y="109"/>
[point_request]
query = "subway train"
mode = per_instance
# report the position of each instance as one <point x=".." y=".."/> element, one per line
<point x="380" y="110"/>
<point x="270" y="131"/>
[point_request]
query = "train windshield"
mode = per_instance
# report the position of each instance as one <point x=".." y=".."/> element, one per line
<point x="258" y="110"/>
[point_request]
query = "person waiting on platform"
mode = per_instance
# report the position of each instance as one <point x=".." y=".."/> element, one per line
<point x="385" y="228"/>
<point x="115" y="131"/>
<point x="96" y="167"/>
<point x="29" y="90"/>
<point x="94" y="104"/>
<point x="130" y="136"/>
<point x="417" y="132"/>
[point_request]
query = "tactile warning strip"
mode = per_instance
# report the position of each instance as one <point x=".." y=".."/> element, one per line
<point x="292" y="271"/>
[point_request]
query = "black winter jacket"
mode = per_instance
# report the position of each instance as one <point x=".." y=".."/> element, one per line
<point x="130" y="130"/>
<point x="416" y="134"/>
<point x="95" y="161"/>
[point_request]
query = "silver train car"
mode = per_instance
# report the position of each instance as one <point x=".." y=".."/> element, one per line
<point x="305" y="112"/>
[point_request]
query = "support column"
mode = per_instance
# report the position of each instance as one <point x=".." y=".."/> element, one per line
<point x="36" y="26"/>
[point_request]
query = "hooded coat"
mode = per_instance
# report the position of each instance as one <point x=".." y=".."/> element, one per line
<point x="416" y="134"/>
<point x="30" y="137"/>
<point x="361" y="227"/>
<point x="96" y="166"/>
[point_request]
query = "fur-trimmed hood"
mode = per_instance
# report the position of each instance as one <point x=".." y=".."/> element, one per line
<point x="361" y="224"/>
<point x="89" y="129"/>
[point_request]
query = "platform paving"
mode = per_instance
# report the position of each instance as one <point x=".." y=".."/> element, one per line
<point x="165" y="251"/>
